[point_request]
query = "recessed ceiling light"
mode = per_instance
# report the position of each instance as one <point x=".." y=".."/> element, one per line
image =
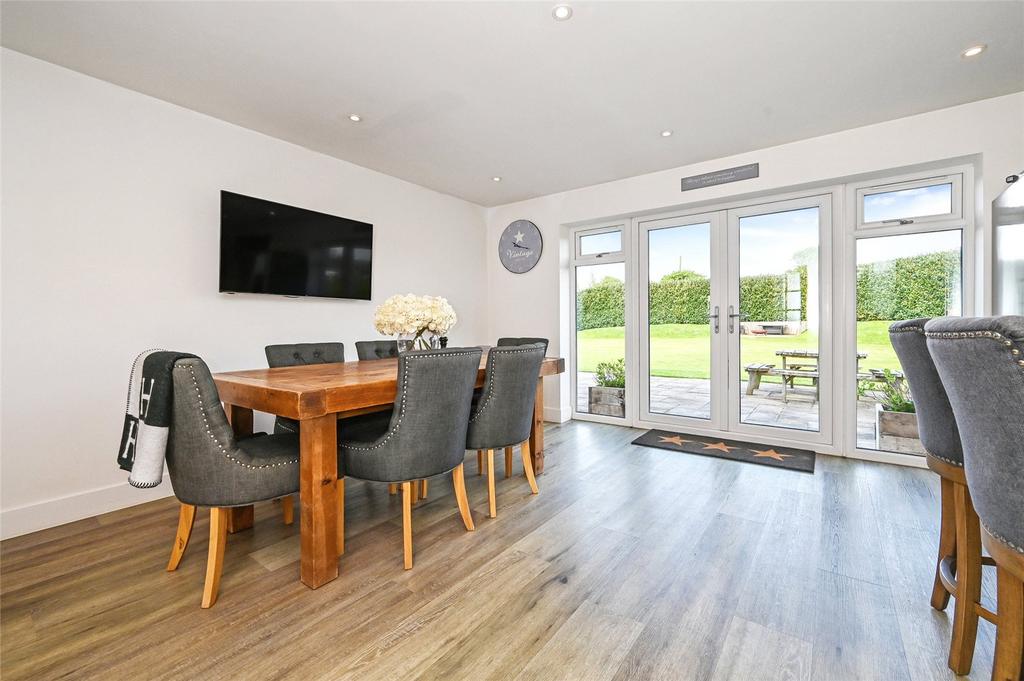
<point x="666" y="133"/>
<point x="973" y="51"/>
<point x="355" y="118"/>
<point x="496" y="178"/>
<point x="562" y="12"/>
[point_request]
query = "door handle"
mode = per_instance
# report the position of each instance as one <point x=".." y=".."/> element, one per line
<point x="715" y="317"/>
<point x="734" y="315"/>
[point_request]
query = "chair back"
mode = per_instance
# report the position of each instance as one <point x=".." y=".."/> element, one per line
<point x="201" y="445"/>
<point x="504" y="413"/>
<point x="981" y="362"/>
<point x="935" y="420"/>
<point x="427" y="433"/>
<point x="524" y="341"/>
<point x="297" y="354"/>
<point x="379" y="349"/>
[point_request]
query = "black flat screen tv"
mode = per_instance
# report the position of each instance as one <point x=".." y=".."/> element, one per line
<point x="268" y="247"/>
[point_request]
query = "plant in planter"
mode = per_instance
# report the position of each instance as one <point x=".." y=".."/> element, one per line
<point x="608" y="397"/>
<point x="895" y="415"/>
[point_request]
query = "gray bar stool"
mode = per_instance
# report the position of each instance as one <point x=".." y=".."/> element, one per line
<point x="981" y="362"/>
<point x="959" y="564"/>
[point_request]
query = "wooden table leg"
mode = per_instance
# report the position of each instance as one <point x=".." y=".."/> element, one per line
<point x="318" y="500"/>
<point x="537" y="430"/>
<point x="240" y="517"/>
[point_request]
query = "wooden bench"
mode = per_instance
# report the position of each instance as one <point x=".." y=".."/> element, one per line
<point x="756" y="371"/>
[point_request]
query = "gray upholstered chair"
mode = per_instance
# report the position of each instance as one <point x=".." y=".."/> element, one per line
<point x="210" y="467"/>
<point x="379" y="349"/>
<point x="981" y="362"/>
<point x="504" y="412"/>
<point x="959" y="563"/>
<point x="426" y="434"/>
<point x="299" y="354"/>
<point x="506" y="341"/>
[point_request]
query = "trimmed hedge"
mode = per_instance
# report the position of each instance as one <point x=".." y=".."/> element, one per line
<point x="906" y="288"/>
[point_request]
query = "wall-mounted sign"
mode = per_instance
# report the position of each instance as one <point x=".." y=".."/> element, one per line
<point x="520" y="246"/>
<point x="736" y="174"/>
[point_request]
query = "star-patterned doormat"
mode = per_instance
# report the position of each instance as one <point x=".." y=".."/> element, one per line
<point x="749" y="452"/>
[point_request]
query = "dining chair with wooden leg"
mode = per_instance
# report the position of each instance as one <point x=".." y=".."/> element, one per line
<point x="210" y="467"/>
<point x="981" y="362"/>
<point x="959" y="563"/>
<point x="426" y="434"/>
<point x="504" y="413"/>
<point x="377" y="349"/>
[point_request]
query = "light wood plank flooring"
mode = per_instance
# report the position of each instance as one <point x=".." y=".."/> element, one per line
<point x="632" y="563"/>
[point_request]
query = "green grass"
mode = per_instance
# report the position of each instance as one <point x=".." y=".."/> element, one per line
<point x="682" y="350"/>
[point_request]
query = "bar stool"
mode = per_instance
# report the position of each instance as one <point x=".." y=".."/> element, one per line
<point x="981" y="362"/>
<point x="959" y="563"/>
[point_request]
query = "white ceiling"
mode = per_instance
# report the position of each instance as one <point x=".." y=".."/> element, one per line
<point x="452" y="94"/>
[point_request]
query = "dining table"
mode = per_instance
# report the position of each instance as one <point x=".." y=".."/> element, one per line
<point x="317" y="395"/>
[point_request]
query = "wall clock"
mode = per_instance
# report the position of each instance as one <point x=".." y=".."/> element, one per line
<point x="520" y="246"/>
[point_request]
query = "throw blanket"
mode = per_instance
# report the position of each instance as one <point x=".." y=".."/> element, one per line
<point x="147" y="417"/>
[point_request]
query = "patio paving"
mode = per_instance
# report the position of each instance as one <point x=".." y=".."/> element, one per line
<point x="692" y="397"/>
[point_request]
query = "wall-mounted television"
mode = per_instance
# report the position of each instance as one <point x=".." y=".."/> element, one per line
<point x="268" y="247"/>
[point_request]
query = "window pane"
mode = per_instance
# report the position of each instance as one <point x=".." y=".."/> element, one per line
<point x="601" y="339"/>
<point x="1008" y="218"/>
<point x="936" y="199"/>
<point x="898" y="277"/>
<point x="606" y="242"/>
<point x="679" y="290"/>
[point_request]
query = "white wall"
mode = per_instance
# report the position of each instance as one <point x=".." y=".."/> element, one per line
<point x="990" y="131"/>
<point x="110" y="246"/>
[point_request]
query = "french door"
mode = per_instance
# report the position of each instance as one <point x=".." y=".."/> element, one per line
<point x="735" y="321"/>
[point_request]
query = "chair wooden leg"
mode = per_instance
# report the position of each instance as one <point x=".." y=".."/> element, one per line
<point x="947" y="541"/>
<point x="528" y="467"/>
<point x="508" y="462"/>
<point x="215" y="559"/>
<point x="288" y="509"/>
<point x="341" y="515"/>
<point x="492" y="504"/>
<point x="186" y="518"/>
<point x="968" y="582"/>
<point x="415" y="489"/>
<point x="1007" y="665"/>
<point x="479" y="462"/>
<point x="407" y="492"/>
<point x="459" y="482"/>
<point x="423" y="488"/>
<point x="392" y="488"/>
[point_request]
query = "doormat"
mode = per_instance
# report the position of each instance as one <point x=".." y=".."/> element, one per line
<point x="734" y="450"/>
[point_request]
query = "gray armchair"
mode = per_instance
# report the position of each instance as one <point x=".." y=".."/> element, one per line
<point x="981" y="362"/>
<point x="523" y="341"/>
<point x="959" y="564"/>
<point x="426" y="434"/>
<point x="208" y="466"/>
<point x="503" y="415"/>
<point x="380" y="349"/>
<point x="299" y="354"/>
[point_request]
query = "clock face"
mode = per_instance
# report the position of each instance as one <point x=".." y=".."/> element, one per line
<point x="520" y="246"/>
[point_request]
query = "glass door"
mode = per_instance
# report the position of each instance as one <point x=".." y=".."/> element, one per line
<point x="681" y="360"/>
<point x="777" y="319"/>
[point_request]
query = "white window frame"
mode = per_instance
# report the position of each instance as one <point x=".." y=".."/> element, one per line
<point x="902" y="183"/>
<point x="609" y="258"/>
<point x="963" y="195"/>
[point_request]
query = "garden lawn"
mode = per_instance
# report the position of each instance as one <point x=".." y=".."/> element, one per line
<point x="681" y="350"/>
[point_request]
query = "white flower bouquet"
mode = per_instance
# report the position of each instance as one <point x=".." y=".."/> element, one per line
<point x="421" y="317"/>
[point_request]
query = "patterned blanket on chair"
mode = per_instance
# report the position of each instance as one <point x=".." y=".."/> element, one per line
<point x="147" y="418"/>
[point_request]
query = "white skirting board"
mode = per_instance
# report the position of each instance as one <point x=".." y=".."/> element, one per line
<point x="53" y="512"/>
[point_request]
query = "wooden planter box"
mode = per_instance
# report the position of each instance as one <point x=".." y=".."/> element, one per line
<point x="607" y="401"/>
<point x="896" y="431"/>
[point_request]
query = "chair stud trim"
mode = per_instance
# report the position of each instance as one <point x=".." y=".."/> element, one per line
<point x="224" y="451"/>
<point x="490" y="389"/>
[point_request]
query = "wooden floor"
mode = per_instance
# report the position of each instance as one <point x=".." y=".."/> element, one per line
<point x="632" y="563"/>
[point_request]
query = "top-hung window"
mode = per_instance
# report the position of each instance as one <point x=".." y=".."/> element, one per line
<point x="928" y="200"/>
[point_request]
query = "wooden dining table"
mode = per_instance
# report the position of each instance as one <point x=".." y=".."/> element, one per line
<point x="317" y="395"/>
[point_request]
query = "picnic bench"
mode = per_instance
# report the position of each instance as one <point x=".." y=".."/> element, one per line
<point x="804" y="364"/>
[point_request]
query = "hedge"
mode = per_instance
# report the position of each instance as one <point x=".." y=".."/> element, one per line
<point x="903" y="288"/>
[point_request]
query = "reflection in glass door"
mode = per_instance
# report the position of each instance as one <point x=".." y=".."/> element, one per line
<point x="779" y="364"/>
<point x="678" y="317"/>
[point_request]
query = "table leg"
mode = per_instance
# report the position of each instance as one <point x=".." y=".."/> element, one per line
<point x="537" y="430"/>
<point x="318" y="481"/>
<point x="240" y="517"/>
